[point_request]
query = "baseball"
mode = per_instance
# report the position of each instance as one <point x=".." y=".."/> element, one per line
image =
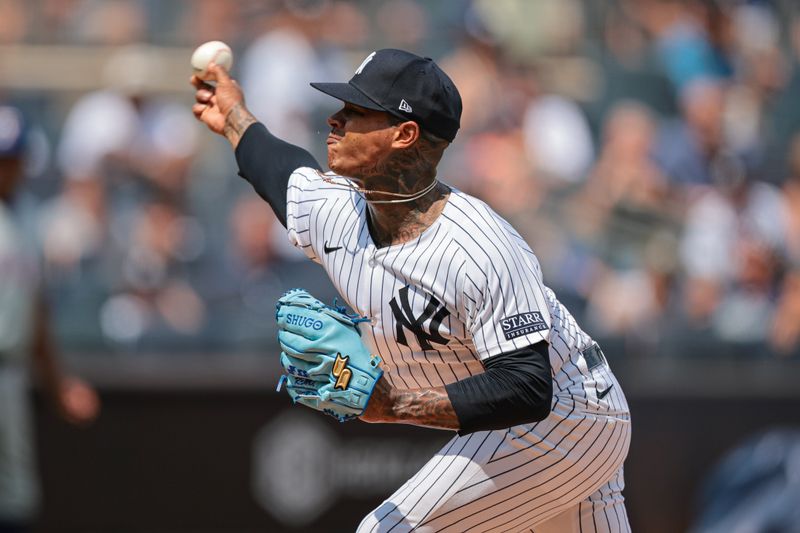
<point x="216" y="51"/>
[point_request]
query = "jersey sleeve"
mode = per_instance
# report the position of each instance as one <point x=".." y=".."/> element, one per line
<point x="314" y="202"/>
<point x="504" y="299"/>
<point x="305" y="194"/>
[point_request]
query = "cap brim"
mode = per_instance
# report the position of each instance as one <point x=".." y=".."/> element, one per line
<point x="347" y="93"/>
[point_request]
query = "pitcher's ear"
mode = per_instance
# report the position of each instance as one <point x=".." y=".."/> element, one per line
<point x="405" y="134"/>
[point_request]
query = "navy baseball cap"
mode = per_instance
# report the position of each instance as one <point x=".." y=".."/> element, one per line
<point x="406" y="85"/>
<point x="12" y="132"/>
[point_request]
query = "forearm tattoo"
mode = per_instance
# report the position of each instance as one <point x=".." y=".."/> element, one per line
<point x="429" y="407"/>
<point x="237" y="122"/>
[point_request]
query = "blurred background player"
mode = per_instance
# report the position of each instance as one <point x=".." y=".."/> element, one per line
<point x="24" y="339"/>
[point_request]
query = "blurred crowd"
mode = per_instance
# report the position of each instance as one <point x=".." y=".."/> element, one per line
<point x="648" y="150"/>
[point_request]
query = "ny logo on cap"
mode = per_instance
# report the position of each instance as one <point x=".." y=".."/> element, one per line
<point x="364" y="63"/>
<point x="404" y="106"/>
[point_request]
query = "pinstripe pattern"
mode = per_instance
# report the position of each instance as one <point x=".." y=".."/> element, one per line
<point x="438" y="304"/>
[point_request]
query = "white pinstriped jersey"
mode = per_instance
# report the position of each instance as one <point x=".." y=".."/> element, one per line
<point x="466" y="289"/>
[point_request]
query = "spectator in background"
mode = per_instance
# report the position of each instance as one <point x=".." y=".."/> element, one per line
<point x="495" y="167"/>
<point x="15" y="21"/>
<point x="212" y="20"/>
<point x="761" y="74"/>
<point x="24" y="338"/>
<point x="125" y="155"/>
<point x="74" y="237"/>
<point x="403" y="23"/>
<point x="692" y="38"/>
<point x="732" y="253"/>
<point x="481" y="109"/>
<point x="629" y="214"/>
<point x="627" y="64"/>
<point x="527" y="30"/>
<point x="242" y="285"/>
<point x="686" y="147"/>
<point x="785" y="338"/>
<point x="155" y="301"/>
<point x="124" y="135"/>
<point x="762" y="112"/>
<point x="557" y="140"/>
<point x="113" y="22"/>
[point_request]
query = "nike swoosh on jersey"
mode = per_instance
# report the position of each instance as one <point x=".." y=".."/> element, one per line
<point x="327" y="249"/>
<point x="602" y="394"/>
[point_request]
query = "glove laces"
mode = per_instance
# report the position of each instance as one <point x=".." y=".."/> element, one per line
<point x="355" y="318"/>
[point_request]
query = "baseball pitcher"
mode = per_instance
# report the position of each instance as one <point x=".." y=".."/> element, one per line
<point x="452" y="325"/>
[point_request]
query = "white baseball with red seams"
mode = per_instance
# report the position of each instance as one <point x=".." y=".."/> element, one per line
<point x="216" y="51"/>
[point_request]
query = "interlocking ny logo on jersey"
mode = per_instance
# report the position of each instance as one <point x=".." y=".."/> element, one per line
<point x="341" y="372"/>
<point x="522" y="324"/>
<point x="404" y="318"/>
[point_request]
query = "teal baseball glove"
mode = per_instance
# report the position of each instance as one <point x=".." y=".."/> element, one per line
<point x="327" y="366"/>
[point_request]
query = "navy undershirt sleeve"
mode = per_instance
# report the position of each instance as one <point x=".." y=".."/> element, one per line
<point x="267" y="162"/>
<point x="517" y="388"/>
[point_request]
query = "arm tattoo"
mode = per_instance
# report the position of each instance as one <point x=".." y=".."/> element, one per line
<point x="237" y="122"/>
<point x="430" y="407"/>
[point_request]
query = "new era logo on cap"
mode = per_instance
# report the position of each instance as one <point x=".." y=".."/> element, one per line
<point x="389" y="76"/>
